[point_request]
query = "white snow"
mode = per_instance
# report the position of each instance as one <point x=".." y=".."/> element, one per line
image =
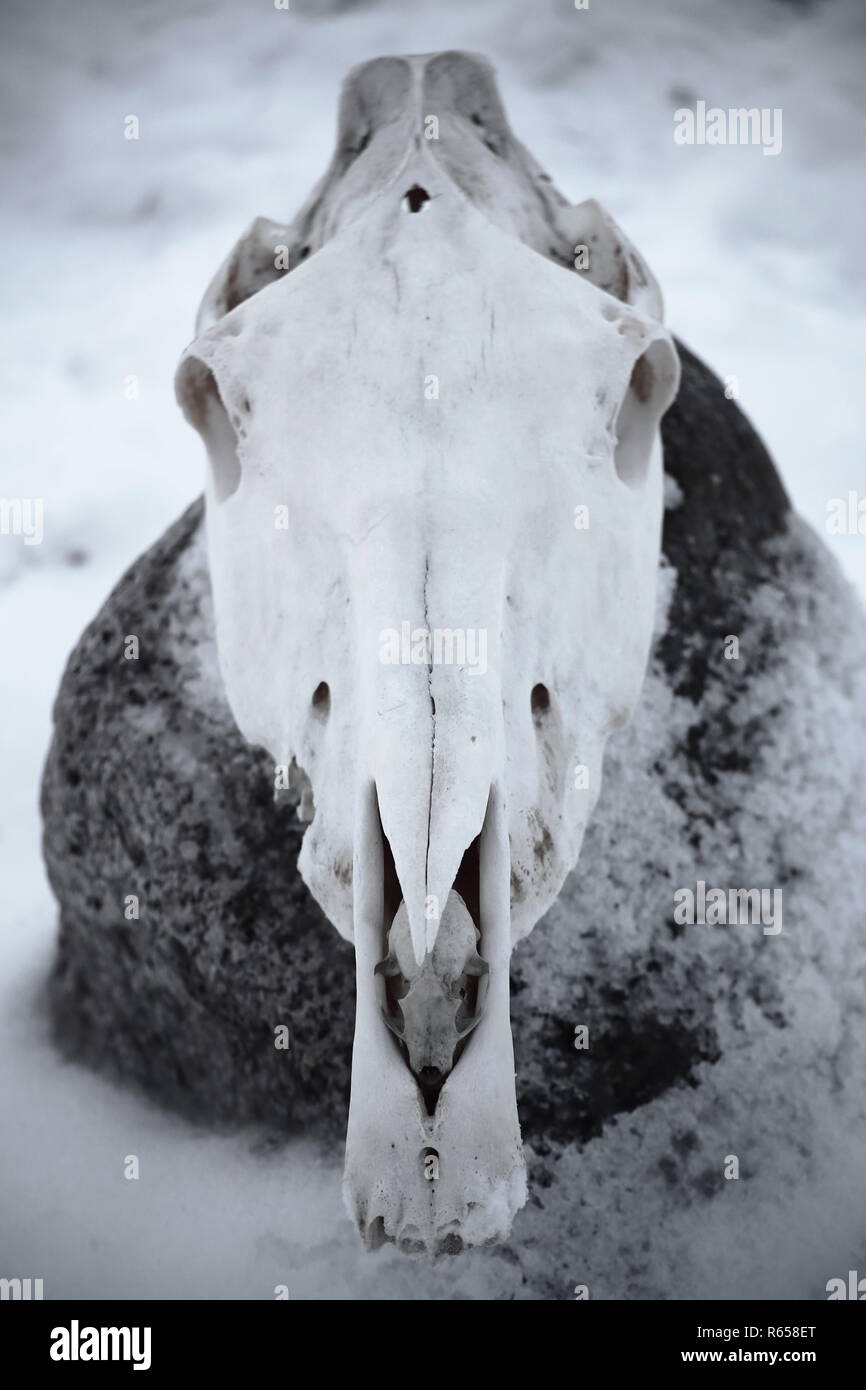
<point x="109" y="245"/>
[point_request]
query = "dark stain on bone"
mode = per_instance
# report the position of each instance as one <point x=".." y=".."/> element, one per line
<point x="544" y="844"/>
<point x="343" y="872"/>
<point x="492" y="144"/>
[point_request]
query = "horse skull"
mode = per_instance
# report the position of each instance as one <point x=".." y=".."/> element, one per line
<point x="454" y="396"/>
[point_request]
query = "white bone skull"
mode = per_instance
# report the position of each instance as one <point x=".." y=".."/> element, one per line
<point x="454" y="396"/>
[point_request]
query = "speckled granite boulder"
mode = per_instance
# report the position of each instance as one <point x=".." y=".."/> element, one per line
<point x="151" y="791"/>
<point x="705" y="1041"/>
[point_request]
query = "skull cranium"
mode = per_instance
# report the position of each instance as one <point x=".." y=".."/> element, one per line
<point x="461" y="425"/>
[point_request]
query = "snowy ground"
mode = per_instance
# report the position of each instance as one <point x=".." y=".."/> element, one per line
<point x="110" y="243"/>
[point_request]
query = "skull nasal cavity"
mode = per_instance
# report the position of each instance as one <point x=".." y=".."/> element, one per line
<point x="322" y="699"/>
<point x="416" y="197"/>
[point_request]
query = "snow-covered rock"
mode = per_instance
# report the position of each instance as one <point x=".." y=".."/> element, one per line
<point x="705" y="1042"/>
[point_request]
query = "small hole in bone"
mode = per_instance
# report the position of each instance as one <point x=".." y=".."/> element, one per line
<point x="322" y="699"/>
<point x="430" y="1161"/>
<point x="540" y="699"/>
<point x="415" y="198"/>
